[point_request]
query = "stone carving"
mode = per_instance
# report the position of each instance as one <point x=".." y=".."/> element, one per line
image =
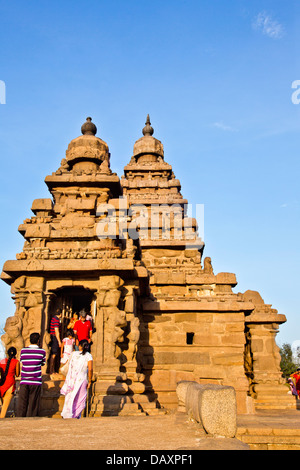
<point x="64" y="166"/>
<point x="31" y="321"/>
<point x="208" y="269"/>
<point x="13" y="333"/>
<point x="131" y="249"/>
<point x="115" y="321"/>
<point x="104" y="167"/>
<point x="133" y="337"/>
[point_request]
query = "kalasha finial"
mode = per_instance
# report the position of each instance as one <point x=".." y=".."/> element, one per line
<point x="88" y="128"/>
<point x="148" y="130"/>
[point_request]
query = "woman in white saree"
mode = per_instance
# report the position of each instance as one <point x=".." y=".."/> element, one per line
<point x="78" y="381"/>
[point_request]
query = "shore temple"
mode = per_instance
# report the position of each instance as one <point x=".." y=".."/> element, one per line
<point x="126" y="251"/>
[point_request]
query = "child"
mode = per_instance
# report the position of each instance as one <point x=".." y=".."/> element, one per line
<point x="67" y="347"/>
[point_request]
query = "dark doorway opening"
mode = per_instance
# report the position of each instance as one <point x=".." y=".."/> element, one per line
<point x="71" y="300"/>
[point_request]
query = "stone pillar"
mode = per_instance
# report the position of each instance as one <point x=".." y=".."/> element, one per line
<point x="46" y="339"/>
<point x="267" y="386"/>
<point x="133" y="367"/>
<point x="109" y="323"/>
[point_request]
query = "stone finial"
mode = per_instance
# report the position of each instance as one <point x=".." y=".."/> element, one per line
<point x="148" y="130"/>
<point x="88" y="128"/>
<point x="145" y="146"/>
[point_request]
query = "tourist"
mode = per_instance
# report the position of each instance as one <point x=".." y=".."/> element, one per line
<point x="10" y="368"/>
<point x="292" y="383"/>
<point x="73" y="321"/>
<point x="78" y="381"/>
<point x="83" y="328"/>
<point x="296" y="380"/>
<point x="55" y="344"/>
<point x="67" y="348"/>
<point x="90" y="319"/>
<point x="32" y="359"/>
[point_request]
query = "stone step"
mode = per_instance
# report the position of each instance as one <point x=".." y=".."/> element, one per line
<point x="114" y="399"/>
<point x="273" y="394"/>
<point x="275" y="404"/>
<point x="155" y="411"/>
<point x="275" y="400"/>
<point x="274" y="439"/>
<point x="272" y="406"/>
<point x="129" y="409"/>
<point x="114" y="406"/>
<point x="111" y="406"/>
<point x="147" y="405"/>
<point x="120" y="400"/>
<point x="278" y="402"/>
<point x="143" y="399"/>
<point x="101" y="403"/>
<point x="100" y="414"/>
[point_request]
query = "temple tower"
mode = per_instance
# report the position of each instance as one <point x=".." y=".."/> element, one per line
<point x="69" y="261"/>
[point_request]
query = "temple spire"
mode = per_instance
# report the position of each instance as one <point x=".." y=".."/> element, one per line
<point x="148" y="130"/>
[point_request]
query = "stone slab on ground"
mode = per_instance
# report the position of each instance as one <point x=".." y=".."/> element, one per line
<point x="270" y="431"/>
<point x="167" y="432"/>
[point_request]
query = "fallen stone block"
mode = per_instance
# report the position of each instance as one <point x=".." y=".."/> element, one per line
<point x="181" y="393"/>
<point x="213" y="406"/>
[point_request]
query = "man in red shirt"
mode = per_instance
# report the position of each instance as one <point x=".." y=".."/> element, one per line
<point x="83" y="328"/>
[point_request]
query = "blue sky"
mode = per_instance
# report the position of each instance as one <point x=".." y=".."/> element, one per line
<point x="216" y="78"/>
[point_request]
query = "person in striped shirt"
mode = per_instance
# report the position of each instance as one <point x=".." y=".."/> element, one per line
<point x="32" y="359"/>
<point x="55" y="344"/>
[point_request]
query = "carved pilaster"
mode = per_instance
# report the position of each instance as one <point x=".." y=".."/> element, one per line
<point x="266" y="382"/>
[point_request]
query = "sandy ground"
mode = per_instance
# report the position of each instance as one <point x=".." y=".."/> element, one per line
<point x="166" y="432"/>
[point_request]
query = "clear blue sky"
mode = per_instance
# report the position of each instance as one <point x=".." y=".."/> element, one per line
<point x="215" y="77"/>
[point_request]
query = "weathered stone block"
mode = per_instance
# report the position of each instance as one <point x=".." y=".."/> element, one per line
<point x="208" y="339"/>
<point x="169" y="278"/>
<point x="209" y="373"/>
<point x="234" y="339"/>
<point x="182" y="357"/>
<point x="42" y="205"/>
<point x="214" y="406"/>
<point x="235" y="328"/>
<point x="173" y="290"/>
<point x="164" y="357"/>
<point x="161" y="318"/>
<point x="81" y="204"/>
<point x="257" y="345"/>
<point x="230" y="317"/>
<point x="181" y="317"/>
<point x="228" y="359"/>
<point x="170" y="338"/>
<point x="226" y="278"/>
<point x="38" y="231"/>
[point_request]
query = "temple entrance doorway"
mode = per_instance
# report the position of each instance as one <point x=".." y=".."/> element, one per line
<point x="71" y="300"/>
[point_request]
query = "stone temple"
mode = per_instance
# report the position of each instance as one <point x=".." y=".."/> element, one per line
<point x="161" y="315"/>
